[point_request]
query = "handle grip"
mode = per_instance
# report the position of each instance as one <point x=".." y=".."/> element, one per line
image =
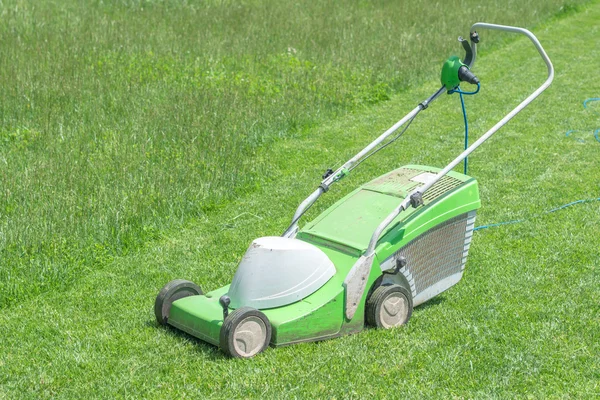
<point x="406" y="203"/>
<point x="513" y="29"/>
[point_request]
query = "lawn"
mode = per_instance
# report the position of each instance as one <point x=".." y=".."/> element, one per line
<point x="121" y="120"/>
<point x="146" y="141"/>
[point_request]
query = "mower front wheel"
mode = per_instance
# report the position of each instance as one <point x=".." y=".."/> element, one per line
<point x="174" y="290"/>
<point x="245" y="333"/>
<point x="389" y="306"/>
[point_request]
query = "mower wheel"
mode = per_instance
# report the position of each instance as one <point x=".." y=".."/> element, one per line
<point x="389" y="306"/>
<point x="174" y="290"/>
<point x="245" y="333"/>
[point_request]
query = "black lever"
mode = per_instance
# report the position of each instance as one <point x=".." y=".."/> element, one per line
<point x="469" y="56"/>
<point x="464" y="74"/>
<point x="224" y="301"/>
<point x="400" y="263"/>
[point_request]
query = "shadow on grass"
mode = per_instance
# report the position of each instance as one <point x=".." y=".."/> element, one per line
<point x="439" y="299"/>
<point x="212" y="352"/>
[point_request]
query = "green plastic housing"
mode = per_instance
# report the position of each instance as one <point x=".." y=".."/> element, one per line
<point x="343" y="232"/>
<point x="450" y="69"/>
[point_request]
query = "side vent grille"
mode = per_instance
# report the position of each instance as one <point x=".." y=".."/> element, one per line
<point x="437" y="254"/>
<point x="445" y="184"/>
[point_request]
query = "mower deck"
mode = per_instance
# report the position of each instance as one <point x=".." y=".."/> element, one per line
<point x="342" y="233"/>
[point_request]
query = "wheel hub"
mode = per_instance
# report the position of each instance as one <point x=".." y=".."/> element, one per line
<point x="393" y="310"/>
<point x="249" y="336"/>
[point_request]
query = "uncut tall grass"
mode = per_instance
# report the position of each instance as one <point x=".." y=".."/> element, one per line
<point x="120" y="120"/>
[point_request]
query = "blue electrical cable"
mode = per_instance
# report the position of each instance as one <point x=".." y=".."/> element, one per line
<point x="585" y="102"/>
<point x="590" y="99"/>
<point x="458" y="90"/>
<point x="585" y="106"/>
<point x="516" y="221"/>
<point x="464" y="111"/>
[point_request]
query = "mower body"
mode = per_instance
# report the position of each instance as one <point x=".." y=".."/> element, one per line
<point x="388" y="246"/>
<point x="306" y="302"/>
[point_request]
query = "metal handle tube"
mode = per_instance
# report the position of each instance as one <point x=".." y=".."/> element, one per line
<point x="511" y="114"/>
<point x="404" y="205"/>
<point x="350" y="163"/>
<point x="310" y="200"/>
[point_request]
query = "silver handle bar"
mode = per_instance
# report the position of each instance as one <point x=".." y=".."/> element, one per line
<point x="355" y="281"/>
<point x="344" y="169"/>
<point x="340" y="172"/>
<point x="419" y="191"/>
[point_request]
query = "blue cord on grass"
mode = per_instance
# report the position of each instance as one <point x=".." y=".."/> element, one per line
<point x="597" y="131"/>
<point x="590" y="99"/>
<point x="516" y="221"/>
<point x="464" y="111"/>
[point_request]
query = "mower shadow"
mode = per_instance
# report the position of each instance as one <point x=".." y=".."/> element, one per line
<point x="210" y="351"/>
<point x="433" y="302"/>
<point x="213" y="353"/>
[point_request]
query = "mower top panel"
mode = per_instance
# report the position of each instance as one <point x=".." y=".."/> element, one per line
<point x="349" y="224"/>
<point x="402" y="181"/>
<point x="352" y="223"/>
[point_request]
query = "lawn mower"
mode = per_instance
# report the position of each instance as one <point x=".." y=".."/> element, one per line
<point x="388" y="246"/>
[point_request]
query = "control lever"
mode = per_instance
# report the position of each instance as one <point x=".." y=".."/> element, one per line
<point x="455" y="71"/>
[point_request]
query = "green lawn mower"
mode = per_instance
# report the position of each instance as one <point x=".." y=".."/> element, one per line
<point x="386" y="247"/>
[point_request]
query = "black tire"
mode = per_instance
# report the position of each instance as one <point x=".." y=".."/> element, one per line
<point x="245" y="333"/>
<point x="174" y="290"/>
<point x="389" y="306"/>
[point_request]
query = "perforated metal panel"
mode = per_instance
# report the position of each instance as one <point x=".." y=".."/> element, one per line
<point x="436" y="259"/>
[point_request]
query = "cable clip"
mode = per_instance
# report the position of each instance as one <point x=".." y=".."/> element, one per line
<point x="416" y="199"/>
<point x="327" y="173"/>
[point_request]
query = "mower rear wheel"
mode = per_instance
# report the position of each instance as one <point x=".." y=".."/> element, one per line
<point x="389" y="306"/>
<point x="245" y="333"/>
<point x="174" y="290"/>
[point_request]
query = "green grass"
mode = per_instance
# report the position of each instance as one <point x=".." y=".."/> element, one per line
<point x="98" y="219"/>
<point x="120" y="120"/>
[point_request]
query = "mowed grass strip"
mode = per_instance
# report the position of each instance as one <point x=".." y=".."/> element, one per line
<point x="122" y="119"/>
<point x="522" y="323"/>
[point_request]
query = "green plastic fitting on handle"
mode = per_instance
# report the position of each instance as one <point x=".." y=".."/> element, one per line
<point x="342" y="174"/>
<point x="450" y="72"/>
